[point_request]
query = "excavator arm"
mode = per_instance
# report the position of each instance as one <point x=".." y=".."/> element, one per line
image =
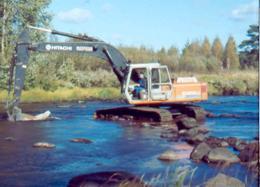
<point x="88" y="45"/>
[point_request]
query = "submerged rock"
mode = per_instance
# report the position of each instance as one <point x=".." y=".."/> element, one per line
<point x="200" y="151"/>
<point x="221" y="155"/>
<point x="169" y="156"/>
<point x="81" y="140"/>
<point x="222" y="180"/>
<point x="9" y="138"/>
<point x="170" y="136"/>
<point x="43" y="145"/>
<point x="183" y="147"/>
<point x="107" y="179"/>
<point x="227" y="115"/>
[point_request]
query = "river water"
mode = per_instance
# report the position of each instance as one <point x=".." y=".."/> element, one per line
<point x="116" y="146"/>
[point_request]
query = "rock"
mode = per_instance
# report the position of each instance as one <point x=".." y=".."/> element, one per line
<point x="168" y="156"/>
<point x="191" y="132"/>
<point x="240" y="145"/>
<point x="214" y="142"/>
<point x="222" y="180"/>
<point x="183" y="132"/>
<point x="196" y="139"/>
<point x="202" y="129"/>
<point x="172" y="127"/>
<point x="81" y="140"/>
<point x="9" y="138"/>
<point x="221" y="155"/>
<point x="106" y="179"/>
<point x="254" y="167"/>
<point x="200" y="151"/>
<point x="231" y="141"/>
<point x="211" y="115"/>
<point x="186" y="122"/>
<point x="145" y="124"/>
<point x="183" y="147"/>
<point x="39" y="117"/>
<point x="128" y="117"/>
<point x="170" y="136"/>
<point x="224" y="144"/>
<point x="226" y="115"/>
<point x="194" y="131"/>
<point x="43" y="145"/>
<point x="250" y="152"/>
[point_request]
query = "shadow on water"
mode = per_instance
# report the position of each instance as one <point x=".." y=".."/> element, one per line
<point x="115" y="146"/>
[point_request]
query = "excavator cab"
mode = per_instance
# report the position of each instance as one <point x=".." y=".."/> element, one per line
<point x="148" y="82"/>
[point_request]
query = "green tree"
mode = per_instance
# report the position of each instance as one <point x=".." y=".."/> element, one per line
<point x="217" y="51"/>
<point x="230" y="59"/>
<point x="16" y="14"/>
<point x="249" y="54"/>
<point x="206" y="48"/>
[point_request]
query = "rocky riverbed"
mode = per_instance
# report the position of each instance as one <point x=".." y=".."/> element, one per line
<point x="223" y="148"/>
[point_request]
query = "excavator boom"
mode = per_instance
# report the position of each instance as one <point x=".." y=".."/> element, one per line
<point x="87" y="45"/>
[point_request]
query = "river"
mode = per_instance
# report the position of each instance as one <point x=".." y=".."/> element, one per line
<point x="116" y="146"/>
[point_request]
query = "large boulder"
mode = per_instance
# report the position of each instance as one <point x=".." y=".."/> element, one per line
<point x="110" y="178"/>
<point x="222" y="180"/>
<point x="185" y="122"/>
<point x="250" y="152"/>
<point x="200" y="151"/>
<point x="221" y="155"/>
<point x="195" y="140"/>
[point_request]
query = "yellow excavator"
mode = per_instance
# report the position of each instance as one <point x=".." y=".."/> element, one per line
<point x="147" y="84"/>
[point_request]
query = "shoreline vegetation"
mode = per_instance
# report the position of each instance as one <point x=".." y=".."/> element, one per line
<point x="224" y="83"/>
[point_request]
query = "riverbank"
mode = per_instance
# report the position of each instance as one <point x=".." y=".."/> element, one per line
<point x="66" y="94"/>
<point x="224" y="83"/>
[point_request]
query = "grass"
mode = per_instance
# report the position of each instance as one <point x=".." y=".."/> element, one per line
<point x="229" y="83"/>
<point x="66" y="94"/>
<point x="223" y="83"/>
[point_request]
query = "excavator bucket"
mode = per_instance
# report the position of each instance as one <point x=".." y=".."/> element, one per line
<point x="18" y="115"/>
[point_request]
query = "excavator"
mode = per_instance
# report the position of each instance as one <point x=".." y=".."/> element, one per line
<point x="146" y="85"/>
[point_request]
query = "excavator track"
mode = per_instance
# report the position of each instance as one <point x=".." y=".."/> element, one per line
<point x="135" y="113"/>
<point x="155" y="114"/>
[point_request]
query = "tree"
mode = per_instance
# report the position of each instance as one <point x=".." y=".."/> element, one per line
<point x="231" y="60"/>
<point x="217" y="51"/>
<point x="206" y="48"/>
<point x="15" y="15"/>
<point x="249" y="54"/>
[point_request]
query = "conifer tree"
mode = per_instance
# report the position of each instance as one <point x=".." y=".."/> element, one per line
<point x="206" y="51"/>
<point x="217" y="50"/>
<point x="230" y="59"/>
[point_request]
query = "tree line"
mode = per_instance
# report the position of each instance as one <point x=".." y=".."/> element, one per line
<point x="50" y="71"/>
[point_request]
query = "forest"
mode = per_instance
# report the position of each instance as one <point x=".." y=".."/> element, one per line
<point x="229" y="68"/>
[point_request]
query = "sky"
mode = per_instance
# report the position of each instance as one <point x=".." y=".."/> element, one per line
<point x="155" y="23"/>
